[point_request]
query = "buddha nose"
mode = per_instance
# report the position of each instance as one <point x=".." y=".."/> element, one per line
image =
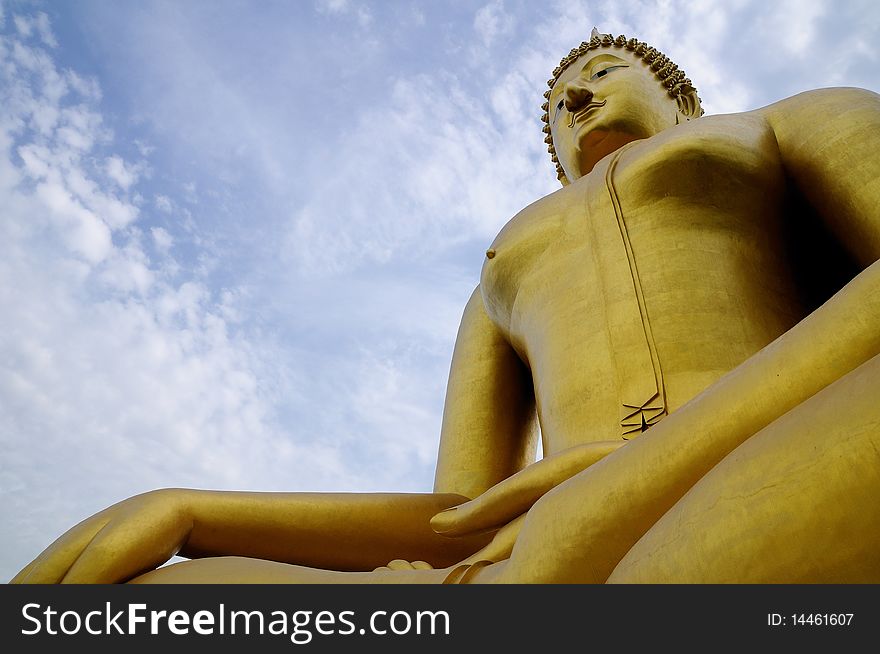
<point x="576" y="95"/>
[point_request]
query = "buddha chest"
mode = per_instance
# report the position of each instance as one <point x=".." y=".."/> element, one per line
<point x="631" y="290"/>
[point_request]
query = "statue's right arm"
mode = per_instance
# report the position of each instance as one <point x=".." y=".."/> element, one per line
<point x="490" y="426"/>
<point x="338" y="531"/>
<point x="488" y="434"/>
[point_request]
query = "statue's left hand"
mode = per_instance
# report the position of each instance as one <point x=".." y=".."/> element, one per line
<point x="131" y="537"/>
<point x="502" y="504"/>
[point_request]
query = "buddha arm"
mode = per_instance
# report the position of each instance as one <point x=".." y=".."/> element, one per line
<point x="339" y="531"/>
<point x="326" y="530"/>
<point x="489" y="423"/>
<point x="829" y="143"/>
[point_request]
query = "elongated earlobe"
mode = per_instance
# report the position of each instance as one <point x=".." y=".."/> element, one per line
<point x="688" y="105"/>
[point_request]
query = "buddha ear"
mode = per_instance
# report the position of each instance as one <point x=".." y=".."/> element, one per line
<point x="689" y="103"/>
<point x="560" y="171"/>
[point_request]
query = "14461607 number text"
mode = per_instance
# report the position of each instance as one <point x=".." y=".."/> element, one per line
<point x="810" y="619"/>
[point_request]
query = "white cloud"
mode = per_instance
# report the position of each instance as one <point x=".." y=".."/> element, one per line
<point x="493" y="21"/>
<point x="88" y="88"/>
<point x="190" y="191"/>
<point x="121" y="173"/>
<point x="45" y="30"/>
<point x="26" y="26"/>
<point x="456" y="170"/>
<point x="112" y="375"/>
<point x="143" y="148"/>
<point x="122" y="374"/>
<point x="162" y="239"/>
<point x="163" y="203"/>
<point x="793" y="24"/>
<point x="357" y="10"/>
<point x="393" y="398"/>
<point x="82" y="231"/>
<point x="333" y="6"/>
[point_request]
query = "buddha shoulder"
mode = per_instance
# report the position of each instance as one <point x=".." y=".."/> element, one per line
<point x="528" y="234"/>
<point x="821" y="105"/>
<point x="724" y="138"/>
<point x="521" y="244"/>
<point x="826" y="121"/>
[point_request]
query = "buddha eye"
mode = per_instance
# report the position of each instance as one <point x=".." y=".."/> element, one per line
<point x="602" y="73"/>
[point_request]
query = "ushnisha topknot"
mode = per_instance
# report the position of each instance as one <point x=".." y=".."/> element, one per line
<point x="670" y="75"/>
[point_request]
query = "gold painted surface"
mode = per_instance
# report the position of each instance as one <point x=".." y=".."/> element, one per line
<point x="694" y="322"/>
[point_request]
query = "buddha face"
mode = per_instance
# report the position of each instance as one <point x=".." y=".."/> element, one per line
<point x="602" y="101"/>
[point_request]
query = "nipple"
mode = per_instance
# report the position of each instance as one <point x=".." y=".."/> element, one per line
<point x="490" y="254"/>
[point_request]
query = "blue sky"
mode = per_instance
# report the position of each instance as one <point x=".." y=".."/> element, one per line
<point x="236" y="237"/>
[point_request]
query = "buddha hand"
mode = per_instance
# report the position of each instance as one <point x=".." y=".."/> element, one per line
<point x="513" y="497"/>
<point x="130" y="537"/>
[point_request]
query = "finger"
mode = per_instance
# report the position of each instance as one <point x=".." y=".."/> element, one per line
<point x="516" y="494"/>
<point x="400" y="564"/>
<point x="501" y="546"/>
<point x="422" y="565"/>
<point x="54" y="562"/>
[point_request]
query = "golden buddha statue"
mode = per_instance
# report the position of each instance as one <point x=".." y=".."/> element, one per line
<point x="693" y="321"/>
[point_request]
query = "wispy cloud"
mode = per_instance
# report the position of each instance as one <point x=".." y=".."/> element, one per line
<point x="455" y="169"/>
<point x="360" y="11"/>
<point x="492" y="21"/>
<point x="114" y="373"/>
<point x="39" y="25"/>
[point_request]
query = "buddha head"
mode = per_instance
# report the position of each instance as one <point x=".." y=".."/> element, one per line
<point x="607" y="93"/>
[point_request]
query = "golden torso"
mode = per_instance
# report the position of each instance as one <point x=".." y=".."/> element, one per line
<point x="690" y="261"/>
